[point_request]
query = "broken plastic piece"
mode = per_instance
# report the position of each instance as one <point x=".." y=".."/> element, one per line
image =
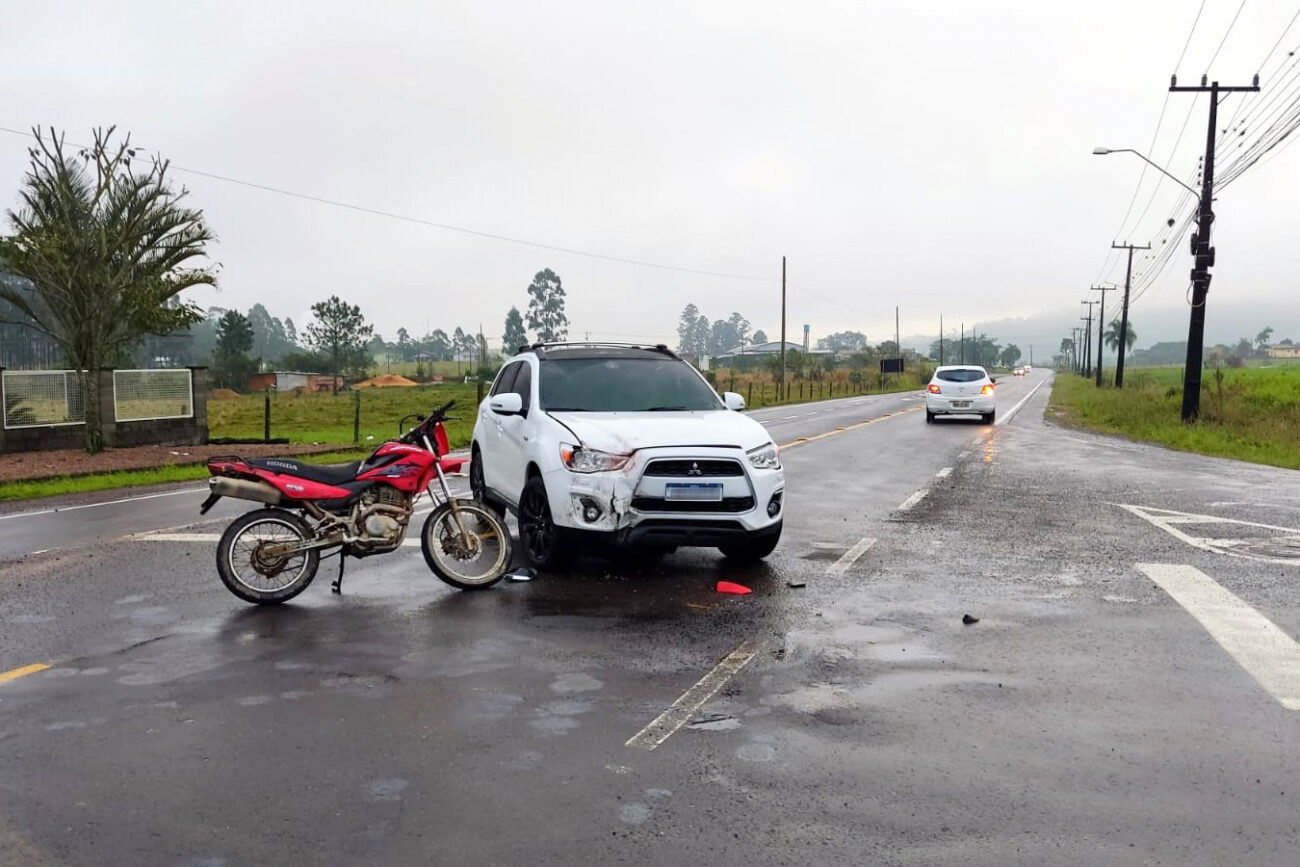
<point x="968" y="620"/>
<point x="733" y="588"/>
<point x="524" y="574"/>
<point x="796" y="583"/>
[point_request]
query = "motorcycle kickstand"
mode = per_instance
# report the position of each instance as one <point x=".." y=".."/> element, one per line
<point x="336" y="586"/>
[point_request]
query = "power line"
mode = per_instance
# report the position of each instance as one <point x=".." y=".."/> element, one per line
<point x="1232" y="24"/>
<point x="447" y="226"/>
<point x="1195" y="21"/>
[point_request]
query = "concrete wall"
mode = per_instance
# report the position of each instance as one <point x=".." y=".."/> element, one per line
<point x="169" y="431"/>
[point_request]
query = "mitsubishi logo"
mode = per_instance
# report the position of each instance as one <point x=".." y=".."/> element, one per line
<point x="694" y="470"/>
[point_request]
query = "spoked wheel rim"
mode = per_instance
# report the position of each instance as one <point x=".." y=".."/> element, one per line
<point x="536" y="529"/>
<point x="475" y="557"/>
<point x="255" y="564"/>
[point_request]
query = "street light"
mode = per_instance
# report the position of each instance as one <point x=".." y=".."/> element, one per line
<point x="1101" y="152"/>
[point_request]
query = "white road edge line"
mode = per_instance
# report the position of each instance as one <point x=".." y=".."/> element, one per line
<point x="1267" y="653"/>
<point x="679" y="712"/>
<point x="849" y="557"/>
<point x="912" y="500"/>
<point x="212" y="537"/>
<point x="105" y="503"/>
<point x="943" y="473"/>
<point x="1010" y="414"/>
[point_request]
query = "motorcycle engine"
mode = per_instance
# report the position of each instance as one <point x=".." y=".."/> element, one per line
<point x="379" y="526"/>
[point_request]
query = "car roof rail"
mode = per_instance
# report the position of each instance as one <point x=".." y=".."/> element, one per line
<point x="661" y="348"/>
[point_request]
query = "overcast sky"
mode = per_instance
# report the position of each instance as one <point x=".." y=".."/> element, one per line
<point x="933" y="155"/>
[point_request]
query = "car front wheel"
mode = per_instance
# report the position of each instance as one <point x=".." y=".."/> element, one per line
<point x="538" y="535"/>
<point x="752" y="548"/>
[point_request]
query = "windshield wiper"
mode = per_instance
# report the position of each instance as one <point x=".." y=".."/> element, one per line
<point x="666" y="409"/>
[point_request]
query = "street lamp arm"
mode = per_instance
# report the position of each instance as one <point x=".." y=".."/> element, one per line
<point x="1104" y="151"/>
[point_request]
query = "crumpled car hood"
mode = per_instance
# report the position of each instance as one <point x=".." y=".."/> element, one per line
<point x="625" y="432"/>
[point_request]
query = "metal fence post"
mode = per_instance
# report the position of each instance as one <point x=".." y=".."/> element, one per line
<point x="266" y="417"/>
<point x="356" y="416"/>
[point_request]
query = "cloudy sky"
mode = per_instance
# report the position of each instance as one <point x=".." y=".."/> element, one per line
<point x="932" y="155"/>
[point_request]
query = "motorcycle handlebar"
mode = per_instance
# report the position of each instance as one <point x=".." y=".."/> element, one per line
<point x="426" y="424"/>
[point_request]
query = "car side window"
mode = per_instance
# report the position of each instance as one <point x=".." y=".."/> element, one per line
<point x="523" y="384"/>
<point x="506" y="379"/>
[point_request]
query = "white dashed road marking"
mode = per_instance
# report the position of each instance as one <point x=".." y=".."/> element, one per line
<point x="846" y="561"/>
<point x="912" y="500"/>
<point x="943" y="473"/>
<point x="1257" y="644"/>
<point x="679" y="712"/>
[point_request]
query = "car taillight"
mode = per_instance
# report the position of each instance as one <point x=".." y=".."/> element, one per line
<point x="988" y="389"/>
<point x="934" y="389"/>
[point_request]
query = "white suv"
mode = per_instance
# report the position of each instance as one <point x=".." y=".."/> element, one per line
<point x="593" y="445"/>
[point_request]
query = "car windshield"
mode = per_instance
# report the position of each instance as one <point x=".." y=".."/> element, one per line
<point x="963" y="374"/>
<point x="623" y="385"/>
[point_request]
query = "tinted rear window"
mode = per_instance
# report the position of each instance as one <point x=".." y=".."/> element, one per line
<point x="963" y="375"/>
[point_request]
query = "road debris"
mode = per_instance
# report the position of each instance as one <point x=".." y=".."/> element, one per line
<point x="523" y="574"/>
<point x="796" y="583"/>
<point x="733" y="588"/>
<point x="968" y="620"/>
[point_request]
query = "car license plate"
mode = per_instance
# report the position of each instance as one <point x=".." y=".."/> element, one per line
<point x="698" y="492"/>
<point x="960" y="404"/>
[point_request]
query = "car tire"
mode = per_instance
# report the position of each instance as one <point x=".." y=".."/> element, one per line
<point x="929" y="417"/>
<point x="753" y="548"/>
<point x="989" y="416"/>
<point x="539" y="538"/>
<point x="478" y="487"/>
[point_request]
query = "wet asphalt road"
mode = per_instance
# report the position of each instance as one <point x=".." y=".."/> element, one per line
<point x="1088" y="717"/>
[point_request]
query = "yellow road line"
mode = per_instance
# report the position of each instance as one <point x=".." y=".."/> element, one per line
<point x="15" y="673"/>
<point x="839" y="430"/>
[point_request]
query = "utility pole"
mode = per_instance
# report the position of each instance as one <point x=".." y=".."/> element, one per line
<point x="1101" y="323"/>
<point x="1201" y="249"/>
<point x="780" y="383"/>
<point x="1087" y="340"/>
<point x="963" y="343"/>
<point x="941" y="340"/>
<point x="1123" y="317"/>
<point x="898" y="346"/>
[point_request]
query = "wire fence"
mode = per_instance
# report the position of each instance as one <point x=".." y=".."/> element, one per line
<point x="40" y="398"/>
<point x="140" y="395"/>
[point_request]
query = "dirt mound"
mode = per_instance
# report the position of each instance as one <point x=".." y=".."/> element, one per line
<point x="387" y="380"/>
<point x="222" y="394"/>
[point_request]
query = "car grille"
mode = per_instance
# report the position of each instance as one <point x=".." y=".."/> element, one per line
<point x="726" y="504"/>
<point x="692" y="468"/>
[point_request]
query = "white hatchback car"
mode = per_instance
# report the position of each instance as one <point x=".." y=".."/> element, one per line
<point x="593" y="445"/>
<point x="961" y="389"/>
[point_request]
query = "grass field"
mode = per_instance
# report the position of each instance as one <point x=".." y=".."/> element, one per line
<point x="328" y="418"/>
<point x="1251" y="414"/>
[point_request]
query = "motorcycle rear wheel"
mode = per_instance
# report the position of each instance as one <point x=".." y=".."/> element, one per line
<point x="473" y="561"/>
<point x="252" y="574"/>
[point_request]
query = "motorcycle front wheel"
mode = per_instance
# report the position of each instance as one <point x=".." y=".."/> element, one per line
<point x="252" y="564"/>
<point x="469" y="548"/>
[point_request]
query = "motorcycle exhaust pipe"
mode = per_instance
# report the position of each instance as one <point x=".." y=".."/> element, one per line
<point x="242" y="489"/>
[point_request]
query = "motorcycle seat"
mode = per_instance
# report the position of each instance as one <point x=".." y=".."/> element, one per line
<point x="326" y="474"/>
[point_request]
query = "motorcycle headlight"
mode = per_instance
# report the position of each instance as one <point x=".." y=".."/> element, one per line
<point x="765" y="457"/>
<point x="585" y="460"/>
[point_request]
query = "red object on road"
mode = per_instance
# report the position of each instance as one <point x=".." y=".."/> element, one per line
<point x="735" y="589"/>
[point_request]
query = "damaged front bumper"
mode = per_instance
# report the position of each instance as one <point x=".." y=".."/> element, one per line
<point x="629" y="507"/>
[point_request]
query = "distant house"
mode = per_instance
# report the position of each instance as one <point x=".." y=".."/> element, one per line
<point x="770" y="348"/>
<point x="284" y="380"/>
<point x="1284" y="351"/>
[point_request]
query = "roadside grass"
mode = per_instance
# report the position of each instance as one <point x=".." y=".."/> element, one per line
<point x="57" y="485"/>
<point x="328" y="418"/>
<point x="1250" y="414"/>
<point x="759" y="390"/>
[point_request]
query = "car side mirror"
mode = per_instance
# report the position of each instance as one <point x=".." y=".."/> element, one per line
<point x="993" y="379"/>
<point x="733" y="401"/>
<point x="507" y="403"/>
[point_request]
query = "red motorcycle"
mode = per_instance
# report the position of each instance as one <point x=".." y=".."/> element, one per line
<point x="362" y="508"/>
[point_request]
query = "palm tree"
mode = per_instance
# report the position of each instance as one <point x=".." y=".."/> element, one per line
<point x="1112" y="336"/>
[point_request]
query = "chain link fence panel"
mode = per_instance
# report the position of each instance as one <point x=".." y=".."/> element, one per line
<point x="142" y="395"/>
<point x="40" y="398"/>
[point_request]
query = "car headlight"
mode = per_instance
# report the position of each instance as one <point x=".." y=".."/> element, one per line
<point x="765" y="457"/>
<point x="584" y="460"/>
